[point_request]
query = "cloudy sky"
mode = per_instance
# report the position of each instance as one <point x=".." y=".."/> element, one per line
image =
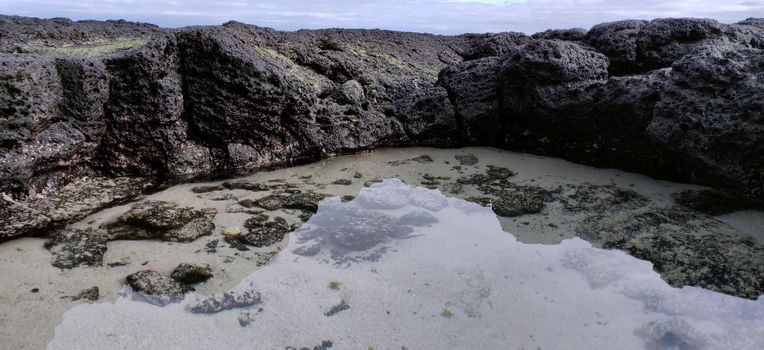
<point x="435" y="16"/>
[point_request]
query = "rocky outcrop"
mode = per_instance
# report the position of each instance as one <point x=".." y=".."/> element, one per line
<point x="674" y="98"/>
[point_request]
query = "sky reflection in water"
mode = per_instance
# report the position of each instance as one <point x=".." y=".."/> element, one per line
<point x="412" y="268"/>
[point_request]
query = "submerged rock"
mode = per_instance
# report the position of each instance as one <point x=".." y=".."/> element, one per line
<point x="225" y="301"/>
<point x="712" y="202"/>
<point x="270" y="202"/>
<point x="157" y="288"/>
<point x="191" y="273"/>
<point x="344" y="182"/>
<point x="423" y="159"/>
<point x="91" y="294"/>
<point x="189" y="232"/>
<point x="342" y="306"/>
<point x="519" y="200"/>
<point x="467" y="159"/>
<point x="359" y="230"/>
<point x="600" y="198"/>
<point x="494" y="176"/>
<point x="206" y="189"/>
<point x="685" y="247"/>
<point x="72" y="248"/>
<point x="157" y="215"/>
<point x="245" y="185"/>
<point x="265" y="233"/>
<point x="162" y="220"/>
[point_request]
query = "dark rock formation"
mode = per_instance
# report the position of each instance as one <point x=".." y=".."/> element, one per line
<point x="191" y="273"/>
<point x="157" y="288"/>
<point x="161" y="220"/>
<point x="686" y="248"/>
<point x="72" y="248"/>
<point x="712" y="202"/>
<point x="90" y="294"/>
<point x="674" y="98"/>
<point x="225" y="301"/>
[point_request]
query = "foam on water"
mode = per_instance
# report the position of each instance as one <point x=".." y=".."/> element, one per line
<point x="422" y="271"/>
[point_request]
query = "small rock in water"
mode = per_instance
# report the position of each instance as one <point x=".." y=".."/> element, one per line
<point x="206" y="189"/>
<point x="347" y="198"/>
<point x="191" y="231"/>
<point x="342" y="306"/>
<point x="420" y="159"/>
<point x="92" y="294"/>
<point x="165" y="220"/>
<point x="247" y="203"/>
<point x="245" y="185"/>
<point x="262" y="234"/>
<point x="519" y="200"/>
<point x="417" y="218"/>
<point x="467" y="159"/>
<point x="307" y="201"/>
<point x="342" y="182"/>
<point x="271" y="202"/>
<point x="157" y="288"/>
<point x="711" y="202"/>
<point x="371" y="182"/>
<point x="191" y="273"/>
<point x="72" y="248"/>
<point x="225" y="301"/>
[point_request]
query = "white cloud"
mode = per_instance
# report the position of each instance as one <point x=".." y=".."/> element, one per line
<point x="440" y="16"/>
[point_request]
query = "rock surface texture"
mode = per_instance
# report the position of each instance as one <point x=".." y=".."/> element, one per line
<point x="675" y="98"/>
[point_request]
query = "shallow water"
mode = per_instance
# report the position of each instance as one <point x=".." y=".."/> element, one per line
<point x="419" y="270"/>
<point x="34" y="296"/>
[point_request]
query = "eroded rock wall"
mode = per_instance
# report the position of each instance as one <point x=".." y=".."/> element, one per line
<point x="675" y="98"/>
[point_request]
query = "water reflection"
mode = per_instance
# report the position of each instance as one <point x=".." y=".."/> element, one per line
<point x="402" y="267"/>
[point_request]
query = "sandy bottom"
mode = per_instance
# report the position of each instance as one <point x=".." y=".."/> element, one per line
<point x="31" y="291"/>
